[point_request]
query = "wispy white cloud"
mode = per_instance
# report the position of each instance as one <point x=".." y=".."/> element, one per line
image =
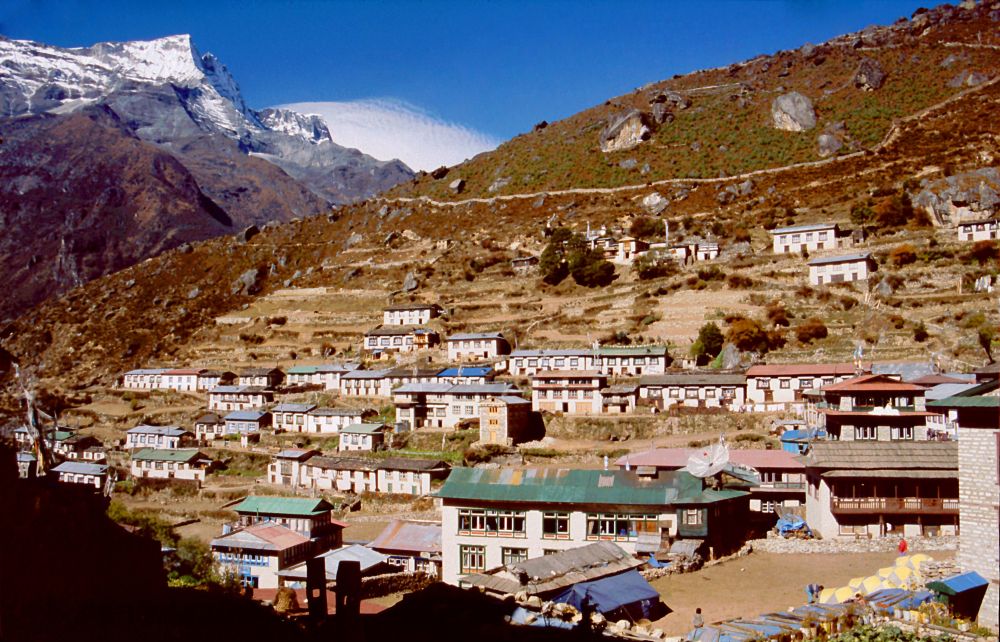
<point x="389" y="129"/>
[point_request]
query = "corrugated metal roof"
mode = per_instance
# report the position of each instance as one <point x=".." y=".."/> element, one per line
<point x="423" y="388"/>
<point x="365" y="556"/>
<point x="397" y="330"/>
<point x="574" y="352"/>
<point x="411" y="464"/>
<point x="892" y="473"/>
<point x="246" y="415"/>
<point x="167" y="431"/>
<point x="296" y="453"/>
<point x="298" y="506"/>
<point x="868" y="455"/>
<point x="568" y="374"/>
<point x="412" y="306"/>
<point x="293" y="407"/>
<point x="966" y="402"/>
<point x="476" y="336"/>
<point x="209" y="418"/>
<point x="302" y="370"/>
<point x="246" y="390"/>
<point x="364" y="429"/>
<point x="343" y="463"/>
<point x="571" y="486"/>
<point x="804" y="228"/>
<point x="470" y="371"/>
<point x="694" y="379"/>
<point x="261" y="537"/>
<point x="409" y="535"/>
<point x="367" y="374"/>
<point x="631" y="351"/>
<point x="873" y="383"/>
<point x="173" y="454"/>
<point x="338" y="412"/>
<point x="844" y="258"/>
<point x="80" y="468"/>
<point x="558" y="570"/>
<point x="802" y="370"/>
<point x="677" y="458"/>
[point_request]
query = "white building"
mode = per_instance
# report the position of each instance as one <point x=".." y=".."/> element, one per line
<point x="390" y="339"/>
<point x="261" y="377"/>
<point x="477" y="346"/>
<point x="291" y="417"/>
<point x="982" y="230"/>
<point x="208" y="427"/>
<point x="410" y="314"/>
<point x="142" y="379"/>
<point x="167" y="437"/>
<point x="501" y="516"/>
<point x="180" y="379"/>
<point x="366" y="383"/>
<point x="369" y="436"/>
<point x="780" y="387"/>
<point x="629" y="361"/>
<point x="228" y="398"/>
<point x="442" y="405"/>
<point x="331" y="420"/>
<point x="524" y="363"/>
<point x="241" y="422"/>
<point x="695" y="390"/>
<point x="818" y="236"/>
<point x="846" y="268"/>
<point x="75" y="472"/>
<point x="155" y="463"/>
<point x="568" y="392"/>
<point x="257" y="553"/>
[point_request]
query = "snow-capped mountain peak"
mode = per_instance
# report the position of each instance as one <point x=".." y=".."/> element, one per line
<point x="172" y="59"/>
<point x="308" y="126"/>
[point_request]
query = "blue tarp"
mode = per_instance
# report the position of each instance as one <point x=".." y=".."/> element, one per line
<point x="958" y="583"/>
<point x="713" y="634"/>
<point x="610" y="593"/>
<point x="520" y="616"/>
<point x="791" y="523"/>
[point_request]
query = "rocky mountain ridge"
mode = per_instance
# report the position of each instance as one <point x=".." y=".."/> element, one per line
<point x="170" y="93"/>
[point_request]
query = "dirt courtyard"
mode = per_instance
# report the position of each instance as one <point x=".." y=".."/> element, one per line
<point x="760" y="583"/>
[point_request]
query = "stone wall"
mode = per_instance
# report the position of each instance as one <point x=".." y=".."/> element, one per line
<point x="979" y="499"/>
<point x="777" y="544"/>
<point x="379" y="585"/>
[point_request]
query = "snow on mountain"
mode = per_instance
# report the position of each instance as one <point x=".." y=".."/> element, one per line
<point x="286" y="121"/>
<point x="169" y="94"/>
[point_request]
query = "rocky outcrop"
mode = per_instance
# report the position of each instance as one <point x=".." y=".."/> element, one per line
<point x="869" y="76"/>
<point x="793" y="112"/>
<point x="654" y="203"/>
<point x="968" y="79"/>
<point x="625" y="131"/>
<point x="828" y="145"/>
<point x="962" y="197"/>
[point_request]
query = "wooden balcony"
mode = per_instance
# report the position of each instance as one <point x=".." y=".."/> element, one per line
<point x="888" y="505"/>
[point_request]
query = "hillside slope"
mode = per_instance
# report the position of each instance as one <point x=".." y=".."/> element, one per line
<point x="719" y="122"/>
<point x="331" y="275"/>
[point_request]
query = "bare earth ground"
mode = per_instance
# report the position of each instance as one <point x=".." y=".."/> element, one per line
<point x="759" y="583"/>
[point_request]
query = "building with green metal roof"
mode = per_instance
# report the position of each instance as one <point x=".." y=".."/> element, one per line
<point x="492" y="517"/>
<point x="188" y="464"/>
<point x="309" y="516"/>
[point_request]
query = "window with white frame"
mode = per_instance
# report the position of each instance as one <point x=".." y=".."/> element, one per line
<point x="513" y="555"/>
<point x="555" y="525"/>
<point x="902" y="433"/>
<point x="619" y="526"/>
<point x="472" y="558"/>
<point x="865" y="433"/>
<point x="693" y="517"/>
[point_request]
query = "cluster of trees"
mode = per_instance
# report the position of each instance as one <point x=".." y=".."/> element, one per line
<point x="887" y="210"/>
<point x="567" y="254"/>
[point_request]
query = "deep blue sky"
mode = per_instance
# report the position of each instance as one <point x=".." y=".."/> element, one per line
<point x="498" y="67"/>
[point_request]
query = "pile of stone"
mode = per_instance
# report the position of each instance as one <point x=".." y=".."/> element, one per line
<point x="675" y="567"/>
<point x="642" y="630"/>
<point x="774" y="543"/>
<point x="934" y="570"/>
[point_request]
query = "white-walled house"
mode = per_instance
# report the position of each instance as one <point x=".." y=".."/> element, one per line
<point x="142" y="379"/>
<point x="261" y="377"/>
<point x="389" y="339"/>
<point x="630" y="361"/>
<point x="153" y="463"/>
<point x="818" y="236"/>
<point x="208" y="427"/>
<point x="412" y="545"/>
<point x="495" y="517"/>
<point x="367" y="436"/>
<point x="780" y="387"/>
<point x="287" y="468"/>
<point x="442" y="405"/>
<point x="331" y="420"/>
<point x="180" y="379"/>
<point x="241" y="422"/>
<point x="86" y="474"/>
<point x="168" y="437"/>
<point x="208" y="379"/>
<point x="366" y="383"/>
<point x="982" y="230"/>
<point x="291" y="417"/>
<point x="524" y="363"/>
<point x="567" y="391"/>
<point x="343" y="474"/>
<point x="257" y="553"/>
<point x="846" y="268"/>
<point x="410" y="313"/>
<point x="695" y="390"/>
<point x="229" y="398"/>
<point x="478" y="346"/>
<point x="875" y="489"/>
<point x="406" y="476"/>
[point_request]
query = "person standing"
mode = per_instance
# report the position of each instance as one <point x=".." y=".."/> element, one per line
<point x="813" y="591"/>
<point x="697" y="621"/>
<point x="903" y="546"/>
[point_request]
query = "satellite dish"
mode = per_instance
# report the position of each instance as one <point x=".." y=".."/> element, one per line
<point x="710" y="461"/>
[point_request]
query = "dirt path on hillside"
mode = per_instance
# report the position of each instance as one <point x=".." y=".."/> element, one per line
<point x="759" y="583"/>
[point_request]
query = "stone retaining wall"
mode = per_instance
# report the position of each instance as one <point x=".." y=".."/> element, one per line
<point x="379" y="585"/>
<point x="776" y="544"/>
